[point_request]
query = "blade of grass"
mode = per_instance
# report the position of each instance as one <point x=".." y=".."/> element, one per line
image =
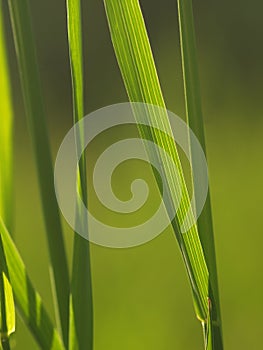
<point x="25" y="49"/>
<point x="6" y="133"/>
<point x="81" y="310"/>
<point x="7" y="308"/>
<point x="195" y="120"/>
<point x="134" y="55"/>
<point x="27" y="299"/>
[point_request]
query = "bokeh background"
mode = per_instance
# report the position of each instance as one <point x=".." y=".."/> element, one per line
<point x="142" y="298"/>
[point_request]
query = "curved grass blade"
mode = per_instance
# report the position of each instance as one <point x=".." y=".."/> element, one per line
<point x="7" y="308"/>
<point x="195" y="120"/>
<point x="134" y="55"/>
<point x="27" y="299"/>
<point x="25" y="49"/>
<point x="81" y="310"/>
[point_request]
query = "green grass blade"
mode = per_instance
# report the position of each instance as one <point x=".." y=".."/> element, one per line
<point x="27" y="299"/>
<point x="195" y="120"/>
<point x="25" y="48"/>
<point x="6" y="133"/>
<point x="138" y="70"/>
<point x="7" y="308"/>
<point x="81" y="310"/>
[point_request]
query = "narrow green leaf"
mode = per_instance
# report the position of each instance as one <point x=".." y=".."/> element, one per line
<point x="81" y="309"/>
<point x="6" y="133"/>
<point x="134" y="55"/>
<point x="7" y="309"/>
<point x="25" y="49"/>
<point x="195" y="119"/>
<point x="27" y="299"/>
<point x="7" y="303"/>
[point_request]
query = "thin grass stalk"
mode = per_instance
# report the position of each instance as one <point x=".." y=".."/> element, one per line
<point x="7" y="308"/>
<point x="81" y="308"/>
<point x="25" y="49"/>
<point x="135" y="59"/>
<point x="195" y="120"/>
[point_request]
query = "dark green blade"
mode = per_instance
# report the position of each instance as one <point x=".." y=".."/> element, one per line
<point x="195" y="120"/>
<point x="25" y="49"/>
<point x="81" y="308"/>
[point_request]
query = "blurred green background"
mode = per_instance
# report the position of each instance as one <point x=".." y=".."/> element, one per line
<point x="142" y="296"/>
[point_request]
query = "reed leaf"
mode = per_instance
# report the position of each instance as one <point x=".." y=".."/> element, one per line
<point x="6" y="133"/>
<point x="135" y="59"/>
<point x="26" y="55"/>
<point x="195" y="120"/>
<point x="81" y="309"/>
<point x="7" y="308"/>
